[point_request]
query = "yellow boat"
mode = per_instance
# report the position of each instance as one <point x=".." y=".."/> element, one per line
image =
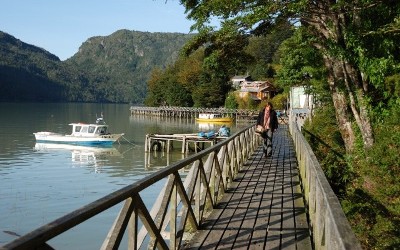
<point x="213" y="118"/>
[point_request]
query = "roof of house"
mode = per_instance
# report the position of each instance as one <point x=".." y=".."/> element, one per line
<point x="251" y="90"/>
<point x="241" y="77"/>
<point x="257" y="86"/>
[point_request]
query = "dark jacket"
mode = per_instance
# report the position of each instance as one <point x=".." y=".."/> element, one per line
<point x="273" y="120"/>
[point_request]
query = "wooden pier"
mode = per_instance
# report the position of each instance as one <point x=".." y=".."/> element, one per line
<point x="263" y="207"/>
<point x="159" y="142"/>
<point x="190" y="112"/>
<point x="232" y="197"/>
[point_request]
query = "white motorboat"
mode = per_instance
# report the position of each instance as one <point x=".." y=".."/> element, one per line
<point x="82" y="134"/>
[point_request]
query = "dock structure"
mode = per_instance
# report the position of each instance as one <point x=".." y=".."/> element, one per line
<point x="160" y="142"/>
<point x="263" y="208"/>
<point x="231" y="197"/>
<point x="190" y="112"/>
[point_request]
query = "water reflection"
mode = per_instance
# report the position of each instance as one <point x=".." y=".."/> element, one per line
<point x="170" y="125"/>
<point x="175" y="122"/>
<point x="154" y="158"/>
<point x="82" y="155"/>
<point x="215" y="126"/>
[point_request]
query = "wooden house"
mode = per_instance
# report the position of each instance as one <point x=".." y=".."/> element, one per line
<point x="257" y="90"/>
<point x="237" y="81"/>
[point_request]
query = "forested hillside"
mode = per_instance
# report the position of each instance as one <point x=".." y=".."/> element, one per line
<point x="119" y="65"/>
<point x="112" y="68"/>
<point x="28" y="73"/>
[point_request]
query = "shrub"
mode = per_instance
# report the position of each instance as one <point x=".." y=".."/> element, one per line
<point x="367" y="183"/>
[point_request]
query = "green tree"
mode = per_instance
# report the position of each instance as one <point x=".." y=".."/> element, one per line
<point x="223" y="58"/>
<point x="302" y="64"/>
<point x="189" y="69"/>
<point x="357" y="51"/>
<point x="279" y="101"/>
<point x="263" y="49"/>
<point x="175" y="94"/>
<point x="175" y="85"/>
<point x="230" y="101"/>
<point x="155" y="89"/>
<point x="247" y="102"/>
<point x="208" y="94"/>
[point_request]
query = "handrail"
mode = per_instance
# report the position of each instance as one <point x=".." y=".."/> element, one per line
<point x="329" y="225"/>
<point x="186" y="201"/>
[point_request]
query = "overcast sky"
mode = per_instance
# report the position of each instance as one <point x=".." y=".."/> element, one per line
<point x="61" y="26"/>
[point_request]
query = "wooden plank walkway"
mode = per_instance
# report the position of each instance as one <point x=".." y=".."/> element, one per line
<point x="263" y="208"/>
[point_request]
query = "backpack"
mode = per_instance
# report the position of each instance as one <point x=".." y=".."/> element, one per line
<point x="224" y="131"/>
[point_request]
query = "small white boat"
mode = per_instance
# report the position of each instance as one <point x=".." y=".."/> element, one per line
<point x="217" y="118"/>
<point x="82" y="134"/>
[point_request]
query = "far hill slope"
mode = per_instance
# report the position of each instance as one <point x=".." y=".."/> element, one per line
<point x="27" y="73"/>
<point x="112" y="68"/>
<point x="120" y="64"/>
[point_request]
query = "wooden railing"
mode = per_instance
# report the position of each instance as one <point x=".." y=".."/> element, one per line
<point x="179" y="209"/>
<point x="328" y="223"/>
<point x="186" y="198"/>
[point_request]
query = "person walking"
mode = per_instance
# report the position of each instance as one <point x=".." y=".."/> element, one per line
<point x="268" y="119"/>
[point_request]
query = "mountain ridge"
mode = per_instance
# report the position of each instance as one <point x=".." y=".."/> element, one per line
<point x="112" y="68"/>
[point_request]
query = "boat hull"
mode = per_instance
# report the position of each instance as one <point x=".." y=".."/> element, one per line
<point x="215" y="120"/>
<point x="50" y="137"/>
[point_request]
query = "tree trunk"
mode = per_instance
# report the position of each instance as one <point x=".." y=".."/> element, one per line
<point x="345" y="81"/>
<point x="349" y="100"/>
<point x="358" y="104"/>
<point x="340" y="103"/>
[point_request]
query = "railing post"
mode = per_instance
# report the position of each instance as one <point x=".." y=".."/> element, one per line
<point x="146" y="144"/>
<point x="133" y="230"/>
<point x="183" y="144"/>
<point x="173" y="217"/>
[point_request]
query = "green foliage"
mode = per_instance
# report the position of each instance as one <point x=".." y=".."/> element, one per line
<point x="367" y="186"/>
<point x="263" y="51"/>
<point x="373" y="224"/>
<point x="226" y="55"/>
<point x="327" y="144"/>
<point x="357" y="41"/>
<point x="177" y="95"/>
<point x="205" y="71"/>
<point x="372" y="43"/>
<point x="229" y="51"/>
<point x="388" y="102"/>
<point x="262" y="71"/>
<point x="279" y="101"/>
<point x="186" y="83"/>
<point x="247" y="103"/>
<point x="384" y="160"/>
<point x="301" y="64"/>
<point x="175" y="85"/>
<point x="230" y="101"/>
<point x="209" y="95"/>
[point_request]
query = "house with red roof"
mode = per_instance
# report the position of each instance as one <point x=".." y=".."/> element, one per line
<point x="256" y="90"/>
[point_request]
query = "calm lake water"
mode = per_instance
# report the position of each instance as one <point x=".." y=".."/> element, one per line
<point x="40" y="183"/>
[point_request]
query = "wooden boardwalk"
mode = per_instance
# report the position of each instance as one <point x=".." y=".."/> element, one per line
<point x="263" y="208"/>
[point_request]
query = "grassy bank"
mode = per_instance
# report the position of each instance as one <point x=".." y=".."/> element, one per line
<point x="366" y="182"/>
